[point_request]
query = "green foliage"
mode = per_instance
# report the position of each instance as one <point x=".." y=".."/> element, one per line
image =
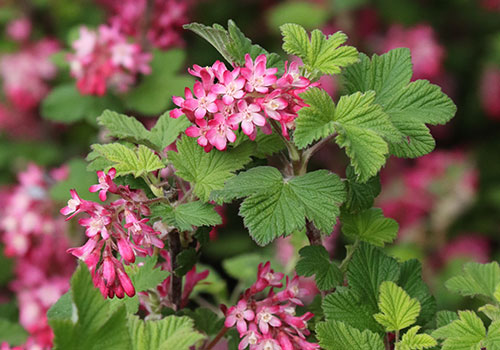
<point x="12" y="333"/>
<point x="243" y="267"/>
<point x="370" y="226"/>
<point x="185" y="216"/>
<point x="205" y="320"/>
<point x="275" y="206"/>
<point x="315" y="261"/>
<point x="320" y="54"/>
<point x="172" y="332"/>
<point x="397" y="309"/>
<point x="148" y="275"/>
<point x="93" y="324"/>
<point x="466" y="333"/>
<point x="185" y="261"/>
<point x="360" y="196"/>
<point x="79" y="179"/>
<point x="477" y="279"/>
<point x="409" y="105"/>
<point x="65" y="104"/>
<point x="153" y="95"/>
<point x="413" y="341"/>
<point x="207" y="171"/>
<point x="232" y="43"/>
<point x="336" y="335"/>
<point x="137" y="161"/>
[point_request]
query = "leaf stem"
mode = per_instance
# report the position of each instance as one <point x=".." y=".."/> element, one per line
<point x="313" y="149"/>
<point x="217" y="338"/>
<point x="350" y="253"/>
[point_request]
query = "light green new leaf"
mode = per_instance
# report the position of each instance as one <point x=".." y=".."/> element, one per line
<point x="314" y="260"/>
<point x="413" y="341"/>
<point x="207" y="171"/>
<point x="410" y="105"/>
<point x="123" y="127"/>
<point x="166" y="130"/>
<point x="477" y="279"/>
<point x="275" y="206"/>
<point x="187" y="215"/>
<point x="397" y="309"/>
<point x="173" y="331"/>
<point x="320" y="53"/>
<point x="466" y="333"/>
<point x="345" y="305"/>
<point x="370" y="226"/>
<point x="125" y="160"/>
<point x="336" y="335"/>
<point x="492" y="341"/>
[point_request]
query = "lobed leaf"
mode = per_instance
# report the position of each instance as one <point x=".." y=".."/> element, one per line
<point x="314" y="260"/>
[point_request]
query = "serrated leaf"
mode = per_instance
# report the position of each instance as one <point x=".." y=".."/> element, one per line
<point x="97" y="325"/>
<point x="336" y="335"/>
<point x="123" y="127"/>
<point x="345" y="305"/>
<point x="276" y="207"/>
<point x="185" y="261"/>
<point x="171" y="330"/>
<point x="413" y="341"/>
<point x="409" y="105"/>
<point x="491" y="311"/>
<point x="148" y="275"/>
<point x="398" y="310"/>
<point x="216" y="35"/>
<point x="166" y="130"/>
<point x="492" y="341"/>
<point x="138" y="161"/>
<point x="367" y="270"/>
<point x="477" y="279"/>
<point x="268" y="144"/>
<point x="466" y="333"/>
<point x="316" y="261"/>
<point x="360" y="196"/>
<point x="445" y="317"/>
<point x="320" y="53"/>
<point x="207" y="171"/>
<point x="187" y="215"/>
<point x="370" y="226"/>
<point x="205" y="320"/>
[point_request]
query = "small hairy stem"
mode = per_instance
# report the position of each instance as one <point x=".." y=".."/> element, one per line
<point x="350" y="253"/>
<point x="313" y="149"/>
<point x="186" y="196"/>
<point x="313" y="234"/>
<point x="174" y="247"/>
<point x="217" y="338"/>
<point x="396" y="341"/>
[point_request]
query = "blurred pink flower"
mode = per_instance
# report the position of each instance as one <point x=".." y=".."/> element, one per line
<point x="471" y="245"/>
<point x="490" y="92"/>
<point x="19" y="29"/>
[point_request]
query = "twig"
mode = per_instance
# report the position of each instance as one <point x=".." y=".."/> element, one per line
<point x="313" y="149"/>
<point x="174" y="246"/>
<point x="217" y="338"/>
<point x="313" y="234"/>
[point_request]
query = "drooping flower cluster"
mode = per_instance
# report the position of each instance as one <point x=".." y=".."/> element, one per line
<point x="35" y="237"/>
<point x="427" y="53"/>
<point x="25" y="74"/>
<point x="105" y="59"/>
<point x="271" y="323"/>
<point x="166" y="18"/>
<point x="249" y="96"/>
<point x="119" y="226"/>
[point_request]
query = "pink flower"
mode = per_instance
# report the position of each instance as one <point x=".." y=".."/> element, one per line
<point x="259" y="78"/>
<point x="239" y="315"/>
<point x="250" y="337"/>
<point x="200" y="131"/>
<point x="75" y="205"/>
<point x="105" y="184"/>
<point x="191" y="280"/>
<point x="230" y="87"/>
<point x="220" y="132"/>
<point x="292" y="78"/>
<point x="265" y="318"/>
<point x="268" y="344"/>
<point x="96" y="224"/>
<point x="203" y="103"/>
<point x="273" y="105"/>
<point x="19" y="29"/>
<point x="248" y="117"/>
<point x="267" y="277"/>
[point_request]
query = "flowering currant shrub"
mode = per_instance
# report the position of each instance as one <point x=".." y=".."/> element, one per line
<point x="243" y="134"/>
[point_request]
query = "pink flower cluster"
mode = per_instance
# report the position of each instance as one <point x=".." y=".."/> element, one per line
<point x="248" y="96"/>
<point x="107" y="234"/>
<point x="427" y="53"/>
<point x="490" y="92"/>
<point x="25" y="74"/>
<point x="34" y="236"/>
<point x="166" y="18"/>
<point x="105" y="59"/>
<point x="271" y="323"/>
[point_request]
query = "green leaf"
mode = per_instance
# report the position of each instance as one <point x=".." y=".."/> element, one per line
<point x="138" y="161"/>
<point x="207" y="171"/>
<point x="65" y="104"/>
<point x="12" y="333"/>
<point x="398" y="310"/>
<point x="187" y="215"/>
<point x="154" y="93"/>
<point x="205" y="320"/>
<point x="345" y="305"/>
<point x="320" y="53"/>
<point x="370" y="226"/>
<point x="147" y="276"/>
<point x="367" y="270"/>
<point x="62" y="309"/>
<point x="413" y="341"/>
<point x="309" y="15"/>
<point x="166" y="130"/>
<point x="445" y="317"/>
<point x="185" y="261"/>
<point x="477" y="279"/>
<point x="360" y="196"/>
<point x="492" y="341"/>
<point x="232" y="43"/>
<point x="410" y="105"/>
<point x="466" y="333"/>
<point x="336" y="335"/>
<point x="411" y="281"/>
<point x="491" y="311"/>
<point x="243" y="267"/>
<point x="96" y="326"/>
<point x="268" y="144"/>
<point x="316" y="261"/>
<point x="172" y="332"/>
<point x="123" y="127"/>
<point x="276" y="207"/>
